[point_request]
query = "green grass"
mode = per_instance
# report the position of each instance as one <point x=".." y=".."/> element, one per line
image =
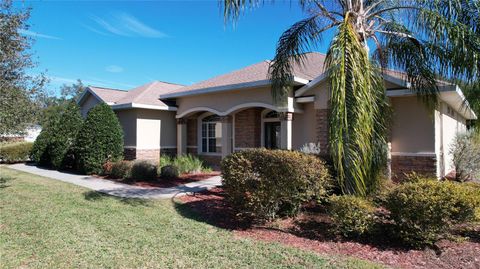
<point x="49" y="224"/>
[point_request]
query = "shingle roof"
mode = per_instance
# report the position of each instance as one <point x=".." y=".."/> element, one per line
<point x="311" y="68"/>
<point x="108" y="95"/>
<point x="147" y="94"/>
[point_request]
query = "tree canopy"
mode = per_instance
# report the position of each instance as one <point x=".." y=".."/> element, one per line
<point x="18" y="90"/>
<point x="425" y="40"/>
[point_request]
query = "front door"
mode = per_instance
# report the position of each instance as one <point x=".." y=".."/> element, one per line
<point x="272" y="135"/>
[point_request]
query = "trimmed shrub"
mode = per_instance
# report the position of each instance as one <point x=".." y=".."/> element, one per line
<point x="353" y="217"/>
<point x="188" y="164"/>
<point x="169" y="171"/>
<point x="53" y="147"/>
<point x="265" y="184"/>
<point x="120" y="169"/>
<point x="144" y="170"/>
<point x="41" y="147"/>
<point x="425" y="211"/>
<point x="15" y="152"/>
<point x="99" y="140"/>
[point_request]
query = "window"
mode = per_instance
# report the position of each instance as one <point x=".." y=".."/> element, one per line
<point x="211" y="134"/>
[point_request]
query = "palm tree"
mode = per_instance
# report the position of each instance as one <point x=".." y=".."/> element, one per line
<point x="425" y="39"/>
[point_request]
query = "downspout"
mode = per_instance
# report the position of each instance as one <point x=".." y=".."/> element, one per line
<point x="441" y="162"/>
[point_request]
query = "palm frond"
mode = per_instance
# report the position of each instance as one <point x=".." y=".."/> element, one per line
<point x="357" y="92"/>
<point x="291" y="47"/>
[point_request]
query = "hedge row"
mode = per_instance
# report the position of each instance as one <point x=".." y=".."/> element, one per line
<point x="15" y="152"/>
<point x="69" y="142"/>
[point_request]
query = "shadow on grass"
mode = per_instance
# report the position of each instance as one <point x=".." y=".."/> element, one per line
<point x="212" y="211"/>
<point x="94" y="196"/>
<point x="4" y="180"/>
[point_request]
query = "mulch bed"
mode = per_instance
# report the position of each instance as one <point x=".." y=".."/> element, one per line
<point x="168" y="182"/>
<point x="310" y="231"/>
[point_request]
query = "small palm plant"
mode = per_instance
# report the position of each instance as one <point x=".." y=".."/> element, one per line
<point x="424" y="39"/>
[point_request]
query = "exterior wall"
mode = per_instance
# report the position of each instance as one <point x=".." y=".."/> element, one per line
<point x="224" y="101"/>
<point x="248" y="128"/>
<point x="128" y="120"/>
<point x="448" y="123"/>
<point x="304" y="127"/>
<point x="155" y="130"/>
<point x="413" y="128"/>
<point x="192" y="144"/>
<point x="90" y="102"/>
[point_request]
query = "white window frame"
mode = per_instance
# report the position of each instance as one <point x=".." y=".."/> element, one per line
<point x="200" y="123"/>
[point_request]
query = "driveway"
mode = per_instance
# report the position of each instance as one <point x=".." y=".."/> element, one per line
<point x="119" y="189"/>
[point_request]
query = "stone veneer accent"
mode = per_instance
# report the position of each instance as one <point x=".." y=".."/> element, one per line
<point x="192" y="136"/>
<point x="321" y="129"/>
<point x="248" y="128"/>
<point x="147" y="154"/>
<point x="424" y="165"/>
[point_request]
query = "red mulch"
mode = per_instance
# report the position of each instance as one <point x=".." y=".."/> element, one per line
<point x="169" y="182"/>
<point x="309" y="231"/>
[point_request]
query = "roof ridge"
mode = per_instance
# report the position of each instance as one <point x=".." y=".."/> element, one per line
<point x="105" y="88"/>
<point x="150" y="84"/>
<point x="166" y="82"/>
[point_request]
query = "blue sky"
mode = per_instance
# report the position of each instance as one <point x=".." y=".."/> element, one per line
<point x="126" y="44"/>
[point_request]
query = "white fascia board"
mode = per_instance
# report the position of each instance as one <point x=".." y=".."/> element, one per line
<point x="137" y="105"/>
<point x="230" y="87"/>
<point x="305" y="99"/>
<point x="323" y="76"/>
<point x="310" y="85"/>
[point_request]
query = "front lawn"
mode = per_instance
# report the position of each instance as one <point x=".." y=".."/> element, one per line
<point x="49" y="224"/>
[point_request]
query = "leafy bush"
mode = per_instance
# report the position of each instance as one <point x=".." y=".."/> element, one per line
<point x="53" y="147"/>
<point x="15" y="152"/>
<point x="265" y="183"/>
<point x="465" y="151"/>
<point x="425" y="211"/>
<point x="165" y="160"/>
<point x="99" y="140"/>
<point x="120" y="169"/>
<point x="414" y="177"/>
<point x="353" y="216"/>
<point x="169" y="171"/>
<point x="188" y="164"/>
<point x="144" y="170"/>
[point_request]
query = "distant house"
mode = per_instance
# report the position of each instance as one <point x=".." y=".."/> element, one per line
<point x="30" y="135"/>
<point x="235" y="111"/>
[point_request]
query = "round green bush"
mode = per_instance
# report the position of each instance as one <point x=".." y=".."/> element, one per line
<point x="120" y="169"/>
<point x="15" y="152"/>
<point x="53" y="147"/>
<point x="99" y="140"/>
<point x="265" y="184"/>
<point x="169" y="171"/>
<point x="425" y="211"/>
<point x="144" y="170"/>
<point x="352" y="216"/>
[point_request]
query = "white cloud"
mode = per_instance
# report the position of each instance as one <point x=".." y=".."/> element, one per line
<point x="35" y="34"/>
<point x="123" y="24"/>
<point x="114" y="69"/>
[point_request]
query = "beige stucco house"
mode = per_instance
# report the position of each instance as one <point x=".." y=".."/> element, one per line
<point x="235" y="111"/>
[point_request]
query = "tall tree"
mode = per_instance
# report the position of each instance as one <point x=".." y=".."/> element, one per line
<point x="18" y="90"/>
<point x="425" y="39"/>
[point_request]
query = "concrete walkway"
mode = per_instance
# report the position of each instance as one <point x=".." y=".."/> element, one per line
<point x="119" y="189"/>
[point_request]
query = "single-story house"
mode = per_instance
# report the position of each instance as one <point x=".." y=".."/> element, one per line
<point x="235" y="111"/>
